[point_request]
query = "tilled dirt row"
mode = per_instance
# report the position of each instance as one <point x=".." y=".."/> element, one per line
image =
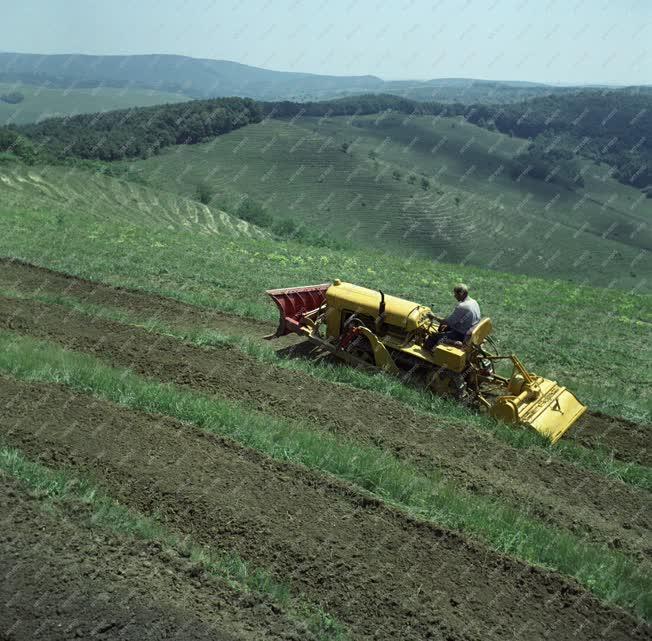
<point x="629" y="441"/>
<point x="27" y="278"/>
<point x="382" y="573"/>
<point x="603" y="510"/>
<point x="62" y="580"/>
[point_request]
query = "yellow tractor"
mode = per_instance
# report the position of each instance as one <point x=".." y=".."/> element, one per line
<point x="366" y="328"/>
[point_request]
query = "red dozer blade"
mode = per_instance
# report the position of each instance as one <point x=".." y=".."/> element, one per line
<point x="293" y="303"/>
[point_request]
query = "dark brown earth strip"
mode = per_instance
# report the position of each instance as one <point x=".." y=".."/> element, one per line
<point x="629" y="441"/>
<point x="23" y="277"/>
<point x="384" y="574"/>
<point x="557" y="492"/>
<point x="62" y="580"/>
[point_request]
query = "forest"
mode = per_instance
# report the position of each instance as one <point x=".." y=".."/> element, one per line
<point x="129" y="133"/>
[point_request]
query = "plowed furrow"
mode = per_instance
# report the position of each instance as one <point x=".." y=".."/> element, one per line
<point x="603" y="510"/>
<point x="63" y="580"/>
<point x="27" y="278"/>
<point x="382" y="573"/>
<point x="627" y="440"/>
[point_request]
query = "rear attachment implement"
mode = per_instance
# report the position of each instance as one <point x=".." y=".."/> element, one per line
<point x="537" y="402"/>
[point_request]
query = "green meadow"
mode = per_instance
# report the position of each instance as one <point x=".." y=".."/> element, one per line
<point x="431" y="187"/>
<point x="595" y="341"/>
<point x="49" y="102"/>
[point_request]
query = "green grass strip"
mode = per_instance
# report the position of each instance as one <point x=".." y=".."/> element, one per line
<point x="597" y="460"/>
<point x="611" y="575"/>
<point x="66" y="488"/>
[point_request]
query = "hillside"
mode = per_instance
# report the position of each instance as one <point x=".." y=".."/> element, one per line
<point x="437" y="187"/>
<point x="44" y="101"/>
<point x="241" y="489"/>
<point x="103" y="227"/>
<point x="447" y="182"/>
<point x="471" y="90"/>
<point x="62" y="196"/>
<point x="608" y="126"/>
<point x="194" y="77"/>
<point x="125" y="133"/>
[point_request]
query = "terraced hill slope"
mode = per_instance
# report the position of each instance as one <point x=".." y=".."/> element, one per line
<point x="64" y="195"/>
<point x="436" y="187"/>
<point x="330" y="541"/>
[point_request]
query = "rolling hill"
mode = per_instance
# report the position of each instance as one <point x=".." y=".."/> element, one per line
<point x="194" y="77"/>
<point x="105" y="228"/>
<point x="156" y="450"/>
<point x="437" y="187"/>
<point x="205" y="78"/>
<point x="61" y="195"/>
<point x="394" y="174"/>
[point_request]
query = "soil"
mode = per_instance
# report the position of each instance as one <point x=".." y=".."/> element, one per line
<point x="23" y="277"/>
<point x="627" y="440"/>
<point x="603" y="510"/>
<point x="384" y="574"/>
<point x="63" y="579"/>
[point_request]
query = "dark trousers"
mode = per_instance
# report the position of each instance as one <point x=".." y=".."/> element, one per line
<point x="450" y="335"/>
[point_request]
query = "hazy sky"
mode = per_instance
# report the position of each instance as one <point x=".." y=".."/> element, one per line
<point x="558" y="41"/>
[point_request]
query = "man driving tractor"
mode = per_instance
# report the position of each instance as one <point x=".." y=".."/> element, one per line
<point x="455" y="326"/>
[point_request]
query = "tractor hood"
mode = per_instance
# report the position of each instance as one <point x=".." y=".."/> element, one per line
<point x="400" y="313"/>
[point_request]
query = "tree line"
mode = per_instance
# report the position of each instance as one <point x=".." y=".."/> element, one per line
<point x="138" y="132"/>
<point x="614" y="127"/>
<point x="609" y="126"/>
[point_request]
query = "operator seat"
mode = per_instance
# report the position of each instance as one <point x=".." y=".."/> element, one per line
<point x="478" y="333"/>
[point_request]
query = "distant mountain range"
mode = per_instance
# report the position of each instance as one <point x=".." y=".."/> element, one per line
<point x="203" y="78"/>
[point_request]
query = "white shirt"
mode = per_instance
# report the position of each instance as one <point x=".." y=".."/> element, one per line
<point x="464" y="316"/>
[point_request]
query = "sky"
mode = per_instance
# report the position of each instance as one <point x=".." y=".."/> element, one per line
<point x="552" y="41"/>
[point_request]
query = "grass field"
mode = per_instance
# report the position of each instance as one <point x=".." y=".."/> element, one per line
<point x="469" y="211"/>
<point x="247" y="490"/>
<point x="43" y="102"/>
<point x="543" y="321"/>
